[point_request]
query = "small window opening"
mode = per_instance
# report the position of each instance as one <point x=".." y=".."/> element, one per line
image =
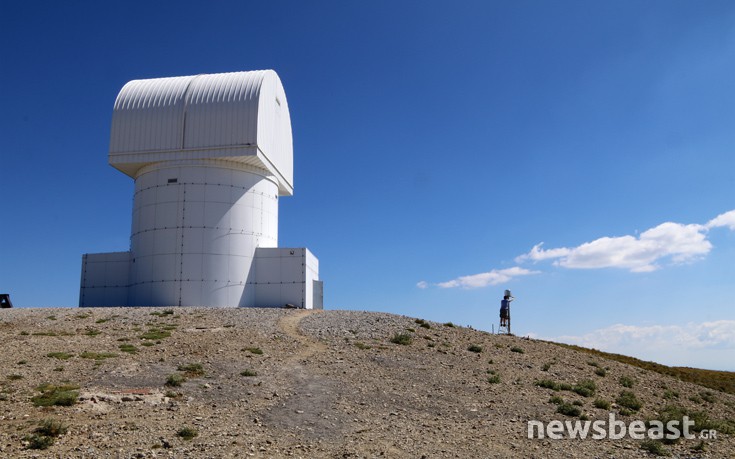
<point x="173" y="180"/>
<point x="278" y="101"/>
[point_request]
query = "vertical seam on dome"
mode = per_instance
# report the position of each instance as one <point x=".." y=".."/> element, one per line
<point x="186" y="105"/>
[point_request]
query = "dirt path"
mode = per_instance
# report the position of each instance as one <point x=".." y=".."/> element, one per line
<point x="309" y="410"/>
<point x="289" y="325"/>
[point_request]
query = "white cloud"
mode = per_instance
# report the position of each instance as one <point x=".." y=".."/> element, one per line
<point x="691" y="344"/>
<point x="538" y="254"/>
<point x="668" y="241"/>
<point x="726" y="219"/>
<point x="494" y="277"/>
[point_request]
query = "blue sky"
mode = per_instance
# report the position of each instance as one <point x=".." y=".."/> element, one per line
<point x="436" y="144"/>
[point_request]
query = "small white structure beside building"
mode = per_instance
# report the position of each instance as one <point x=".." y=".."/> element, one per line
<point x="210" y="156"/>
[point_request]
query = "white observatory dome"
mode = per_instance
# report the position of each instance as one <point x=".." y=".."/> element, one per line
<point x="240" y="117"/>
<point x="210" y="156"/>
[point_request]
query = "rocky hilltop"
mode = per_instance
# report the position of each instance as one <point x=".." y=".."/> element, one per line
<point x="221" y="383"/>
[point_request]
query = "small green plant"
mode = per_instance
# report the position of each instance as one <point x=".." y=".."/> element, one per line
<point x="51" y="317"/>
<point x="101" y="321"/>
<point x="24" y="333"/>
<point x="83" y="315"/>
<point x="670" y="394"/>
<point x="601" y="404"/>
<point x="147" y="343"/>
<point x="46" y="333"/>
<point x="624" y="412"/>
<point x="546" y="366"/>
<point x="592" y="363"/>
<point x="601" y="372"/>
<point x="254" y="350"/>
<point x="708" y="397"/>
<point x="627" y="399"/>
<point x="92" y="332"/>
<point x="517" y="349"/>
<point x="36" y="441"/>
<point x="494" y="379"/>
<point x="129" y="348"/>
<point x="412" y="330"/>
<point x="192" y="370"/>
<point x="475" y="348"/>
<point x="187" y="433"/>
<point x="154" y="334"/>
<point x="51" y="428"/>
<point x="403" y="339"/>
<point x="578" y="403"/>
<point x="425" y="325"/>
<point x="626" y="381"/>
<point x="53" y="395"/>
<point x="654" y="447"/>
<point x="14" y="377"/>
<point x="568" y="410"/>
<point x="449" y="324"/>
<point x="548" y="384"/>
<point x="363" y="346"/>
<point x="175" y="380"/>
<point x="97" y="355"/>
<point x="60" y="355"/>
<point x="585" y="388"/>
<point x="556" y="400"/>
<point x="248" y="373"/>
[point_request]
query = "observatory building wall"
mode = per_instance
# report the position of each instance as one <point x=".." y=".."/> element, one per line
<point x="210" y="156"/>
<point x="286" y="276"/>
<point x="196" y="225"/>
<point x="105" y="279"/>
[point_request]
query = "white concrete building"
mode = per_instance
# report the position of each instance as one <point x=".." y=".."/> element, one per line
<point x="210" y="156"/>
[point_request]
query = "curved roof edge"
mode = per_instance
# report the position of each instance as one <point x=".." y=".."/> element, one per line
<point x="239" y="116"/>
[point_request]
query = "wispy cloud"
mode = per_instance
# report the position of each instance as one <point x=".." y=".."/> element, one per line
<point x="675" y="243"/>
<point x="727" y="219"/>
<point x="494" y="277"/>
<point x="667" y="243"/>
<point x="705" y="335"/>
<point x="703" y="342"/>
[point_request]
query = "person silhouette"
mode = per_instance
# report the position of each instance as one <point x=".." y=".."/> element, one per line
<point x="505" y="310"/>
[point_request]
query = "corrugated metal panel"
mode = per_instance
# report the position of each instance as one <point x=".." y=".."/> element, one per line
<point x="241" y="116"/>
<point x="222" y="110"/>
<point x="148" y="115"/>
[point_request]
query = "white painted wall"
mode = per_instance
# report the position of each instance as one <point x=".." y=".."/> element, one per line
<point x="210" y="155"/>
<point x="195" y="229"/>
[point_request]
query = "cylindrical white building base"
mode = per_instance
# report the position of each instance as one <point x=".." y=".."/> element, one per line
<point x="196" y="225"/>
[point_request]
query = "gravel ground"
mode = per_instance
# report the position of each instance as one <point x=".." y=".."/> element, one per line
<point x="285" y="383"/>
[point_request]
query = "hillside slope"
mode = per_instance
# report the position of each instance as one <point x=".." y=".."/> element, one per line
<point x="278" y="383"/>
